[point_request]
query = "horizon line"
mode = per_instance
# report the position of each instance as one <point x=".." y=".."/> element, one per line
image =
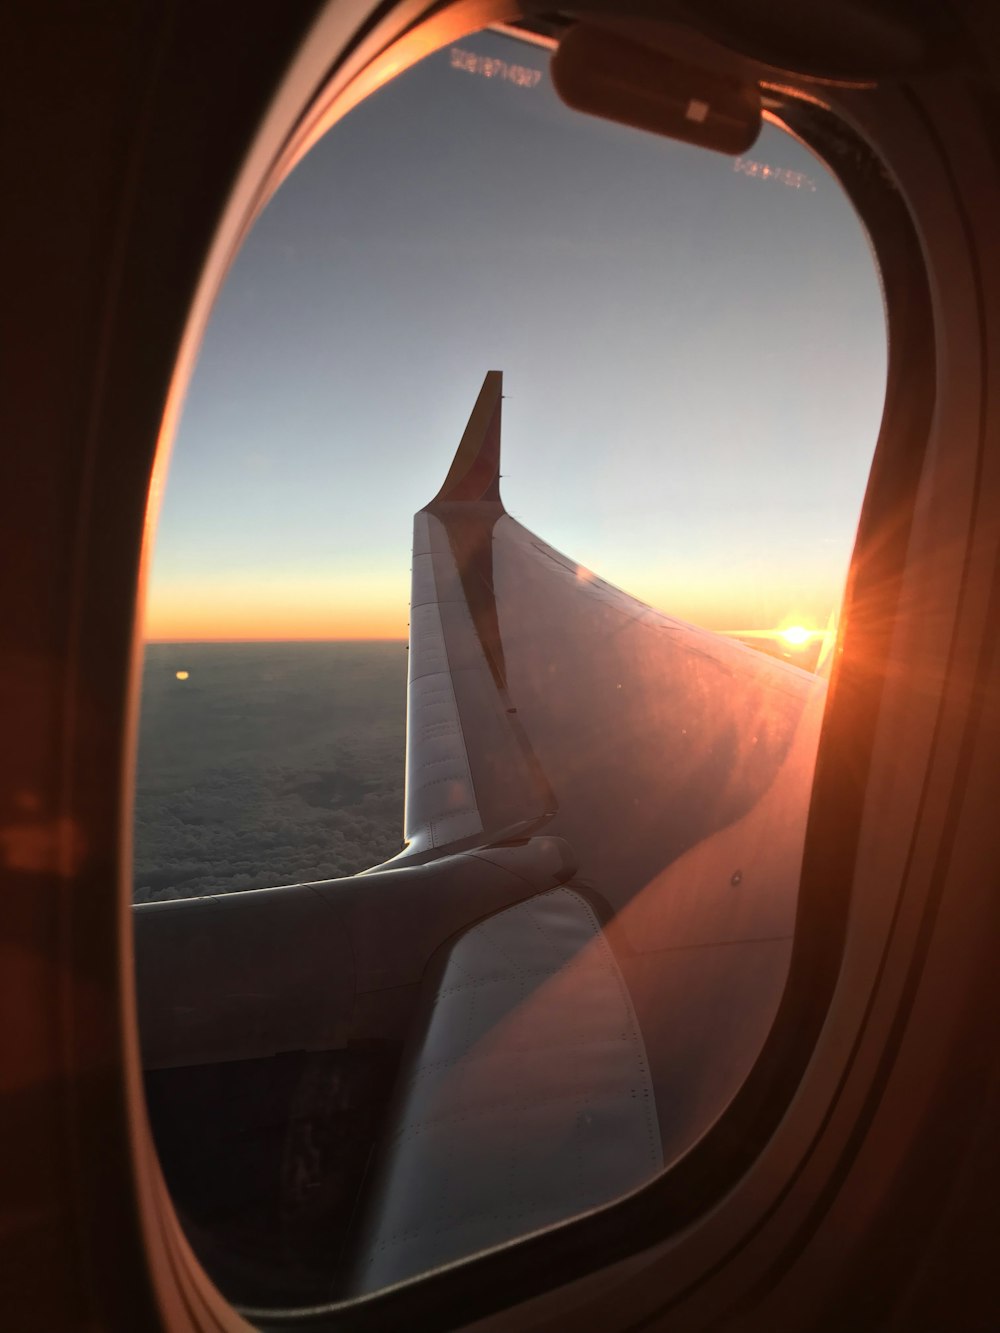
<point x="259" y="638"/>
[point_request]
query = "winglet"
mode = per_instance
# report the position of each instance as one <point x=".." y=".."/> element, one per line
<point x="475" y="470"/>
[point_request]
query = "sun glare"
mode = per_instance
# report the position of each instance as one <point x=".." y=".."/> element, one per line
<point x="796" y="635"/>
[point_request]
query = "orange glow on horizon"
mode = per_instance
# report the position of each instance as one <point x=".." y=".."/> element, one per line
<point x="762" y="599"/>
<point x="233" y="629"/>
<point x="337" y="606"/>
<point x="795" y="636"/>
<point x="238" y="612"/>
<point x="265" y="636"/>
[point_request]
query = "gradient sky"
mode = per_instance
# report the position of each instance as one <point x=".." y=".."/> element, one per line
<point x="694" y="361"/>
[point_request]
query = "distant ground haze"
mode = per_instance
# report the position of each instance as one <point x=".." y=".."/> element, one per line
<point x="270" y="763"/>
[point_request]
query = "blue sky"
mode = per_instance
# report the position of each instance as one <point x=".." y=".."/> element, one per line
<point x="694" y="359"/>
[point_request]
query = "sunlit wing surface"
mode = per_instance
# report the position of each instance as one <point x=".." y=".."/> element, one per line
<point x="571" y="1046"/>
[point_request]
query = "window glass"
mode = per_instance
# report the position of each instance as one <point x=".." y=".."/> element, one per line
<point x="615" y="683"/>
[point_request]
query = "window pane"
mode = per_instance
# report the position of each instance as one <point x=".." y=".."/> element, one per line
<point x="573" y="958"/>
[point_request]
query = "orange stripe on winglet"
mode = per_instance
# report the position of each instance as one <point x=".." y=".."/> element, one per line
<point x="475" y="470"/>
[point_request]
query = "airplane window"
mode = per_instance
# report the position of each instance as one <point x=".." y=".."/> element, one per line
<point x="564" y="720"/>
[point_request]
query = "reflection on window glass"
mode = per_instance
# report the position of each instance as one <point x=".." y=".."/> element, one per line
<point x="582" y="737"/>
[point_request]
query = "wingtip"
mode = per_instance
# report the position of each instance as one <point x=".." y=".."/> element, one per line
<point x="474" y="474"/>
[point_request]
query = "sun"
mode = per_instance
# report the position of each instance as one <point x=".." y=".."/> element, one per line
<point x="796" y="635"/>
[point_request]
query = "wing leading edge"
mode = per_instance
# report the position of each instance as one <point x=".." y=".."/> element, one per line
<point x="471" y="772"/>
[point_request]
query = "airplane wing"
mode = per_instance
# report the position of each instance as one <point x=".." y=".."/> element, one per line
<point x="556" y="987"/>
<point x="569" y="1046"/>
